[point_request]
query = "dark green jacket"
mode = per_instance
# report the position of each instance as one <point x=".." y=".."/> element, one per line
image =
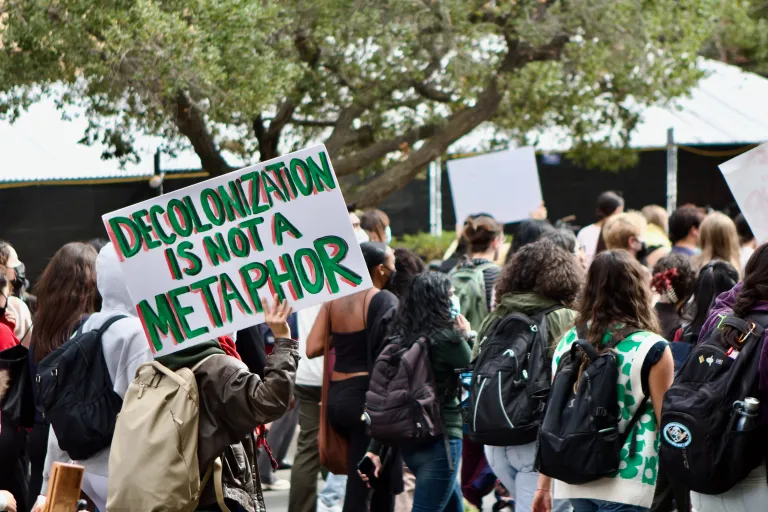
<point x="450" y="351"/>
<point x="558" y="322"/>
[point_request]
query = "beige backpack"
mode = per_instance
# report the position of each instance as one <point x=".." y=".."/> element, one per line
<point x="153" y="464"/>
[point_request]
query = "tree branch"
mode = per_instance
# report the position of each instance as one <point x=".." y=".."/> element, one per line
<point x="430" y="93"/>
<point x="190" y="122"/>
<point x="313" y="122"/>
<point x="361" y="159"/>
<point x="459" y="124"/>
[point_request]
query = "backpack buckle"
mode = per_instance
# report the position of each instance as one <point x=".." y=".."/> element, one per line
<point x="600" y="411"/>
<point x="743" y="337"/>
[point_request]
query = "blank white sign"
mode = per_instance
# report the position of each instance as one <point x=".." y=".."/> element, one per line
<point x="747" y="177"/>
<point x="504" y="184"/>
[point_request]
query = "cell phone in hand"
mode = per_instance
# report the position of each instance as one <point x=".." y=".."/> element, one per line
<point x="367" y="468"/>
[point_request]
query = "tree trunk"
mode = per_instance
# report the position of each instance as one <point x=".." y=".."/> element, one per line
<point x="191" y="124"/>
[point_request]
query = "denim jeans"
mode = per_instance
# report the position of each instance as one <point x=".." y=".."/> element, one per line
<point x="748" y="495"/>
<point x="582" y="505"/>
<point x="437" y="483"/>
<point x="333" y="491"/>
<point x="514" y="466"/>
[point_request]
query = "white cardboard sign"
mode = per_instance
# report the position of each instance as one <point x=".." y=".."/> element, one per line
<point x="747" y="177"/>
<point x="504" y="184"/>
<point x="198" y="260"/>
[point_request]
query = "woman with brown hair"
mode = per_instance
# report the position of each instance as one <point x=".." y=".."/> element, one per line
<point x="615" y="313"/>
<point x="718" y="240"/>
<point x="376" y="224"/>
<point x="66" y="294"/>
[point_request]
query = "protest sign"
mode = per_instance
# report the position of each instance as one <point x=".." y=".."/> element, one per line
<point x="198" y="260"/>
<point x="504" y="184"/>
<point x="747" y="177"/>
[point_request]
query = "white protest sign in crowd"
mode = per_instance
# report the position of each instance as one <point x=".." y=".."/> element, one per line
<point x="747" y="177"/>
<point x="198" y="260"/>
<point x="504" y="184"/>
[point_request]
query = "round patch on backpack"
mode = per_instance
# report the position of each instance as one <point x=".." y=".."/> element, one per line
<point x="677" y="435"/>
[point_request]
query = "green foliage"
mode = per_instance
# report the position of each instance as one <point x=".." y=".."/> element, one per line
<point x="425" y="245"/>
<point x="741" y="36"/>
<point x="387" y="84"/>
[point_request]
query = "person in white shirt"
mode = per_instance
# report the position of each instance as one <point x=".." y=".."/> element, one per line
<point x="608" y="204"/>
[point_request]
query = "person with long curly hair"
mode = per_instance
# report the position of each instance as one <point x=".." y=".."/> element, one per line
<point x="673" y="279"/>
<point x="749" y="296"/>
<point x="429" y="310"/>
<point x="66" y="295"/>
<point x="540" y="277"/>
<point x="616" y="314"/>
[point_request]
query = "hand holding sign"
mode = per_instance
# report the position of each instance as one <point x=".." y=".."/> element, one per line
<point x="276" y="317"/>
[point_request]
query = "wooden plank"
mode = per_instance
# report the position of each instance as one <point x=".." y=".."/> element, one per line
<point x="64" y="487"/>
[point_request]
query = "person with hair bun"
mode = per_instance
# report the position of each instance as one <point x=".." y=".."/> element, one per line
<point x="749" y="296"/>
<point x="673" y="279"/>
<point x="484" y="237"/>
<point x="539" y="277"/>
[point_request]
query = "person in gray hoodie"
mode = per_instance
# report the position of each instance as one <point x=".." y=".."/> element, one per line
<point x="125" y="348"/>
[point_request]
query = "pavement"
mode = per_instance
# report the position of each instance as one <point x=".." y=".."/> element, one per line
<point x="277" y="501"/>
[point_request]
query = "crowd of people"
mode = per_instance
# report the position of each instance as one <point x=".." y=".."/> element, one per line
<point x="510" y="342"/>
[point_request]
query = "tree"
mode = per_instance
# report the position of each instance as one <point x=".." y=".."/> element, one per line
<point x="388" y="85"/>
<point x="741" y="36"/>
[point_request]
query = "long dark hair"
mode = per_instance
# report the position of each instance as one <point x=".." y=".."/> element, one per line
<point x="426" y="310"/>
<point x="715" y="278"/>
<point x="753" y="289"/>
<point x="617" y="291"/>
<point x="65" y="292"/>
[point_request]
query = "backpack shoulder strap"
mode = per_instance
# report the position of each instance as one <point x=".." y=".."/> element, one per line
<point x="106" y="325"/>
<point x="201" y="363"/>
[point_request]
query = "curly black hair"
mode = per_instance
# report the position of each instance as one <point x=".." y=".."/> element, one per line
<point x="543" y="268"/>
<point x="426" y="310"/>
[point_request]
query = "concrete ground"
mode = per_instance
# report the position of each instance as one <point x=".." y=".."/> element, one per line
<point x="277" y="501"/>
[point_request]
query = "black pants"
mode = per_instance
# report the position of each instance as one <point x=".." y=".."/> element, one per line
<point x="669" y="497"/>
<point x="37" y="447"/>
<point x="346" y="399"/>
<point x="14" y="464"/>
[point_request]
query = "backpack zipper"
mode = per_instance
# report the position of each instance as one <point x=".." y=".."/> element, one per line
<point x="501" y="403"/>
<point x="479" y="393"/>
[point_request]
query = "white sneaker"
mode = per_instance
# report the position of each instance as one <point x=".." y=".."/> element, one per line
<point x="278" y="485"/>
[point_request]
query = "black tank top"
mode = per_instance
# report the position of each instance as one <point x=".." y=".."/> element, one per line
<point x="351" y="348"/>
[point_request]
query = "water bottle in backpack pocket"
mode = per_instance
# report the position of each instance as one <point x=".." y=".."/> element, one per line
<point x="710" y="439"/>
<point x="580" y="440"/>
<point x="511" y="380"/>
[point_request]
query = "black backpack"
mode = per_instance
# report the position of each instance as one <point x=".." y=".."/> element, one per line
<point x="76" y="395"/>
<point x="580" y="441"/>
<point x="511" y="379"/>
<point x="699" y="447"/>
<point x="401" y="405"/>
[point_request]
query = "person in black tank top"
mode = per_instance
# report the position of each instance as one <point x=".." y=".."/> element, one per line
<point x="355" y="351"/>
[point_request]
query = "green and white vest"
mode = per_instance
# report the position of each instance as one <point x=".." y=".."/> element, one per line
<point x="636" y="481"/>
